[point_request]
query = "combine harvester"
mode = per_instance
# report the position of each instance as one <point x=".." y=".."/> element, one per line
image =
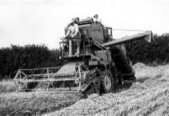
<point x="101" y="65"/>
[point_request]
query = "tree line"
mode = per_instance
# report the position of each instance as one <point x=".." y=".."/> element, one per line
<point x="38" y="56"/>
<point x="155" y="52"/>
<point x="29" y="56"/>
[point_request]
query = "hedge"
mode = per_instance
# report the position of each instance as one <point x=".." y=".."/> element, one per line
<point x="29" y="56"/>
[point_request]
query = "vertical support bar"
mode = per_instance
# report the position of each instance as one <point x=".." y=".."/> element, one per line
<point x="80" y="77"/>
<point x="48" y="72"/>
<point x="79" y="86"/>
<point x="15" y="81"/>
<point x="70" y="47"/>
<point x="48" y="79"/>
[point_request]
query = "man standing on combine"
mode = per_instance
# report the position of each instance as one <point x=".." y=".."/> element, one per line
<point x="96" y="18"/>
<point x="74" y="34"/>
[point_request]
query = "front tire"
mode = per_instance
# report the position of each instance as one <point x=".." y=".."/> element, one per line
<point x="107" y="82"/>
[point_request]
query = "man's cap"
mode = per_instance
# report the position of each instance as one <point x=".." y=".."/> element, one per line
<point x="72" y="21"/>
<point x="76" y="19"/>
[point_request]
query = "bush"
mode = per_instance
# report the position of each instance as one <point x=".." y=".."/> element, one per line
<point x="156" y="51"/>
<point x="29" y="56"/>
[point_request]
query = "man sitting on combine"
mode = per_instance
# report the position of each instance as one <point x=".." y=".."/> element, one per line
<point x="74" y="34"/>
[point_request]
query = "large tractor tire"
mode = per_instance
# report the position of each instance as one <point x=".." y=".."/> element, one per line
<point x="107" y="82"/>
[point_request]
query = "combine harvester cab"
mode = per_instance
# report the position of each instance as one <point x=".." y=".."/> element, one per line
<point x="102" y="63"/>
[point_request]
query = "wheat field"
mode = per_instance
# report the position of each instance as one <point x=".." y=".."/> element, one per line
<point x="35" y="103"/>
<point x="149" y="95"/>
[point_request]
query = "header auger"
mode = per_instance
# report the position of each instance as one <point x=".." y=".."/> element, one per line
<point x="102" y="62"/>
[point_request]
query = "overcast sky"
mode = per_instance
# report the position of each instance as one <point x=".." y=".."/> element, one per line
<point x="42" y="21"/>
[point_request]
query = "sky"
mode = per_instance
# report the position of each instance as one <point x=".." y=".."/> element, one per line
<point x="24" y="22"/>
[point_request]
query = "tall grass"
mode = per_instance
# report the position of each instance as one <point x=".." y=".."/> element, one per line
<point x="7" y="86"/>
<point x="36" y="102"/>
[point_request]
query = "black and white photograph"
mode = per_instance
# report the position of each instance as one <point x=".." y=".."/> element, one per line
<point x="84" y="58"/>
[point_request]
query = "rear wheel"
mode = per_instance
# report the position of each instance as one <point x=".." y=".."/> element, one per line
<point x="107" y="82"/>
